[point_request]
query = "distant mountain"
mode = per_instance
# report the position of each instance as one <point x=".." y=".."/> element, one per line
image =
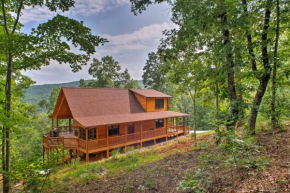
<point x="36" y="93"/>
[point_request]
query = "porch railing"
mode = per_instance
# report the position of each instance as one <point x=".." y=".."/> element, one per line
<point x="71" y="142"/>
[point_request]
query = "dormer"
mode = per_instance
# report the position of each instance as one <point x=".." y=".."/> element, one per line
<point x="151" y="100"/>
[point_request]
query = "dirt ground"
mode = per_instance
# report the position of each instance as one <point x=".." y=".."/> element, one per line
<point x="163" y="175"/>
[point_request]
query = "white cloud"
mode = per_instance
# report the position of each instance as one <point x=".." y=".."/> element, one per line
<point x="130" y="50"/>
<point x="91" y="7"/>
<point x="82" y="7"/>
<point x="143" y="38"/>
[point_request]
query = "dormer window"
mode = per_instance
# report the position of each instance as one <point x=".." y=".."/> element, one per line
<point x="159" y="103"/>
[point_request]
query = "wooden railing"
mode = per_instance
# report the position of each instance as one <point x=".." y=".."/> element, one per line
<point x="148" y="134"/>
<point x="117" y="140"/>
<point x="82" y="144"/>
<point x="134" y="137"/>
<point x="161" y="131"/>
<point x="74" y="142"/>
<point x="96" y="144"/>
<point x="70" y="142"/>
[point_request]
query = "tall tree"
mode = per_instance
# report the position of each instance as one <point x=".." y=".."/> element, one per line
<point x="152" y="75"/>
<point x="222" y="29"/>
<point x="83" y="83"/>
<point x="105" y="71"/>
<point x="275" y="64"/>
<point x="265" y="77"/>
<point x="49" y="41"/>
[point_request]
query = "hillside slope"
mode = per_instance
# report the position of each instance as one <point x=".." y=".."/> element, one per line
<point x="161" y="169"/>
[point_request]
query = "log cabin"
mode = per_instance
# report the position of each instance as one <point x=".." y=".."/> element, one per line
<point x="102" y="119"/>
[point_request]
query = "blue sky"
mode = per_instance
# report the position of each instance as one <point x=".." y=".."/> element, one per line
<point x="130" y="37"/>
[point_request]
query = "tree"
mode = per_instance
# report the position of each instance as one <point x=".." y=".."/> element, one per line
<point x="43" y="104"/>
<point x="152" y="75"/>
<point x="53" y="99"/>
<point x="108" y="75"/>
<point x="105" y="71"/>
<point x="83" y="83"/>
<point x="127" y="82"/>
<point x="275" y="63"/>
<point x="238" y="38"/>
<point x="49" y="41"/>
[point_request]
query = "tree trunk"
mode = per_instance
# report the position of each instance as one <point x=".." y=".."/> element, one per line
<point x="275" y="61"/>
<point x="264" y="79"/>
<point x="250" y="43"/>
<point x="6" y="176"/>
<point x="193" y="97"/>
<point x="234" y="110"/>
<point x="217" y="106"/>
<point x="194" y="111"/>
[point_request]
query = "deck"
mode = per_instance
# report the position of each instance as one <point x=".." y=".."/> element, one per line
<point x="68" y="140"/>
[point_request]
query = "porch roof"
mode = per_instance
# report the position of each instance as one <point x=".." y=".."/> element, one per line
<point x="94" y="121"/>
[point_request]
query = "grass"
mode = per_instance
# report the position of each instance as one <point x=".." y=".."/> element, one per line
<point x="77" y="172"/>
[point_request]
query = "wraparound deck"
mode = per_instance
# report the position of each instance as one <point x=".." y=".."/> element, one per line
<point x="68" y="137"/>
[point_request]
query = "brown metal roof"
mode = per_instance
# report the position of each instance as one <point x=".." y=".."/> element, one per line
<point x="149" y="93"/>
<point x="104" y="106"/>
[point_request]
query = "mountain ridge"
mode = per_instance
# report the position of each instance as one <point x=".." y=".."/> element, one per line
<point x="36" y="93"/>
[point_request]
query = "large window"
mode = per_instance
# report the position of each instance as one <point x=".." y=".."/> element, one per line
<point x="159" y="123"/>
<point x="159" y="103"/>
<point x="130" y="128"/>
<point x="114" y="130"/>
<point x="92" y="133"/>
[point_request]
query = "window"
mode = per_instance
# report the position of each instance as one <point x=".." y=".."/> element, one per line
<point x="159" y="103"/>
<point x="114" y="130"/>
<point x="130" y="128"/>
<point x="92" y="134"/>
<point x="159" y="123"/>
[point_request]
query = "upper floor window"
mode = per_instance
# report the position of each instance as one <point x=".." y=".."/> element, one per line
<point x="159" y="103"/>
<point x="130" y="128"/>
<point x="159" y="123"/>
<point x="114" y="130"/>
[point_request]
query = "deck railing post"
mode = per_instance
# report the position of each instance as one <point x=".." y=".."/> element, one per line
<point x="141" y="134"/>
<point x="62" y="139"/>
<point x="183" y="125"/>
<point x="52" y="123"/>
<point x="126" y="131"/>
<point x="108" y="142"/>
<point x="87" y="139"/>
<point x="166" y="129"/>
<point x="155" y="133"/>
<point x="78" y="153"/>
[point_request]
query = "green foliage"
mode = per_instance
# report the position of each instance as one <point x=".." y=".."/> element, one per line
<point x="153" y="77"/>
<point x="241" y="151"/>
<point x="35" y="93"/>
<point x="198" y="182"/>
<point x="108" y="75"/>
<point x="106" y="71"/>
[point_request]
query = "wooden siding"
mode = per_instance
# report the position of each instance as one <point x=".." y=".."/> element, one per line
<point x="151" y="105"/>
<point x="148" y="104"/>
<point x="142" y="100"/>
<point x="102" y="132"/>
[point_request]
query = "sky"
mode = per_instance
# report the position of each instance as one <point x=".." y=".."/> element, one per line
<point x="130" y="37"/>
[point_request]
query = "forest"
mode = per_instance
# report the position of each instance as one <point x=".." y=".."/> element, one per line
<point x="226" y="64"/>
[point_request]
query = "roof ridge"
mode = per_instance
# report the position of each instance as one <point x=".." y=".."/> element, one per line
<point x="96" y="88"/>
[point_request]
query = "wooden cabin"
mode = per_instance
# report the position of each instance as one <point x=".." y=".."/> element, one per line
<point x="102" y="119"/>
